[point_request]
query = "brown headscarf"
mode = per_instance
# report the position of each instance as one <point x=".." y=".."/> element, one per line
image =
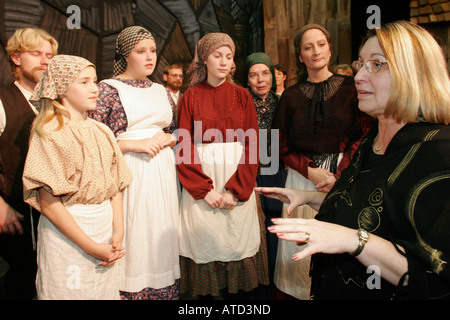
<point x="205" y="46"/>
<point x="126" y="41"/>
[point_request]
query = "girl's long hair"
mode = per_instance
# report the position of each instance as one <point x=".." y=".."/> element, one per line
<point x="49" y="109"/>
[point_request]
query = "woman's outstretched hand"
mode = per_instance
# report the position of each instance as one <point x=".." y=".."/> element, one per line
<point x="293" y="197"/>
<point x="320" y="236"/>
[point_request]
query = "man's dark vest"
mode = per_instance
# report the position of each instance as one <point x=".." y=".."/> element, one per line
<point x="14" y="146"/>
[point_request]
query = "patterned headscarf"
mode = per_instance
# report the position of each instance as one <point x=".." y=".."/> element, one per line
<point x="126" y="41"/>
<point x="205" y="46"/>
<point x="61" y="71"/>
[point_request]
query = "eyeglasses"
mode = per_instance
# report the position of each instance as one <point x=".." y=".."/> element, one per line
<point x="373" y="66"/>
<point x="176" y="76"/>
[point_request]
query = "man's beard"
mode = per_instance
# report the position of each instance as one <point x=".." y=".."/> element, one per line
<point x="175" y="85"/>
<point x="35" y="74"/>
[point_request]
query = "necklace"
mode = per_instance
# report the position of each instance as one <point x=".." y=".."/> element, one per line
<point x="377" y="149"/>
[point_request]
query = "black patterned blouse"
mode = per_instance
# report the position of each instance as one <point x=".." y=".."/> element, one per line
<point x="265" y="109"/>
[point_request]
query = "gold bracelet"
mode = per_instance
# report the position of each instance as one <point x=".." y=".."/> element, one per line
<point x="363" y="238"/>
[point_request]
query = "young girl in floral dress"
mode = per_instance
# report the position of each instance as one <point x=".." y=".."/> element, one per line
<point x="137" y="110"/>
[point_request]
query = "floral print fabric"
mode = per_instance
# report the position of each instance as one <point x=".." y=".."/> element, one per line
<point x="58" y="76"/>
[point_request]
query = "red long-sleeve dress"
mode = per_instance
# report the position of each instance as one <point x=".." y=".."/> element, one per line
<point x="222" y="108"/>
<point x="214" y="116"/>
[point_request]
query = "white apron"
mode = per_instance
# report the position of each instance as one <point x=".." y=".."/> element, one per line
<point x="208" y="234"/>
<point x="151" y="202"/>
<point x="65" y="272"/>
<point x="292" y="277"/>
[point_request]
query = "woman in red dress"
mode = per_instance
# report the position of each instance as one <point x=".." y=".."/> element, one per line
<point x="222" y="236"/>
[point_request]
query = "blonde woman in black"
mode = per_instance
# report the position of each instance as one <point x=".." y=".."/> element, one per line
<point x="382" y="231"/>
<point x="320" y="127"/>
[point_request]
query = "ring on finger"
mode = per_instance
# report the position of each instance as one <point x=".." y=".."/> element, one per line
<point x="307" y="237"/>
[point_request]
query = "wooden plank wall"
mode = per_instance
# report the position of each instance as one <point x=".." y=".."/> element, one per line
<point x="70" y="41"/>
<point x="435" y="16"/>
<point x="255" y="25"/>
<point x="426" y="11"/>
<point x="16" y="13"/>
<point x="177" y="25"/>
<point x="283" y="19"/>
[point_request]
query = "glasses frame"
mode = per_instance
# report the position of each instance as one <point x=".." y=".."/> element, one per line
<point x="357" y="65"/>
<point x="175" y="75"/>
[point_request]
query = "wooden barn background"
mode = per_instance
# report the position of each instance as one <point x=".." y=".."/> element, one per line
<point x="176" y="25"/>
<point x="255" y="25"/>
<point x="346" y="20"/>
